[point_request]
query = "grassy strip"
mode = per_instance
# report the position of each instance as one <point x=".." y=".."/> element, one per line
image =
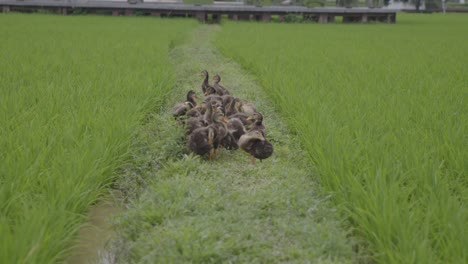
<point x="197" y="211"/>
<point x="73" y="90"/>
<point x="382" y="112"/>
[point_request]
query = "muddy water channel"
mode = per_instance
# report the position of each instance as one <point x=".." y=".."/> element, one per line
<point x="93" y="237"/>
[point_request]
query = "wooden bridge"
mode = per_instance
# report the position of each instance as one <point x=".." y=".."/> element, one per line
<point x="204" y="13"/>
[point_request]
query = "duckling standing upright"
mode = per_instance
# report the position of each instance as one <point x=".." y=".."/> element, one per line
<point x="221" y="90"/>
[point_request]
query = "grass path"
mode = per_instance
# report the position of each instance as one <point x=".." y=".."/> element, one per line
<point x="189" y="209"/>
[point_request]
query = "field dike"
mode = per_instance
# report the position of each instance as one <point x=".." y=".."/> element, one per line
<point x="184" y="208"/>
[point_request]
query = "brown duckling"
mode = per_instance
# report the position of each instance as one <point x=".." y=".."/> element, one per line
<point x="236" y="128"/>
<point x="247" y="107"/>
<point x="199" y="140"/>
<point x="193" y="123"/>
<point x="181" y="109"/>
<point x="254" y="143"/>
<point x="205" y="83"/>
<point x="207" y="138"/>
<point x="230" y="105"/>
<point x="256" y="120"/>
<point x="221" y="90"/>
<point x="219" y="124"/>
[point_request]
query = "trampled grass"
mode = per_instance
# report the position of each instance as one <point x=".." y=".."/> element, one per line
<point x="382" y="111"/>
<point x="72" y="92"/>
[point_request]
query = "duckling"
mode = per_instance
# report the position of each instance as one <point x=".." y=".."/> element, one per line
<point x="219" y="124"/>
<point x="193" y="123"/>
<point x="236" y="128"/>
<point x="215" y="100"/>
<point x="229" y="142"/>
<point x="247" y="107"/>
<point x="199" y="141"/>
<point x="261" y="149"/>
<point x="254" y="143"/>
<point x="205" y="83"/>
<point x="230" y="105"/>
<point x="256" y="123"/>
<point x="221" y="90"/>
<point x="243" y="118"/>
<point x="181" y="109"/>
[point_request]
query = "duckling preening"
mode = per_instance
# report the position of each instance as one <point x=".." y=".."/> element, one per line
<point x="254" y="141"/>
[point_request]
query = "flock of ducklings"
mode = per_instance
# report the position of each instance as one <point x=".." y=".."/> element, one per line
<point x="222" y="120"/>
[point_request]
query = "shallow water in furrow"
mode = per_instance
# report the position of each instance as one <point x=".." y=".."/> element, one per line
<point x="97" y="232"/>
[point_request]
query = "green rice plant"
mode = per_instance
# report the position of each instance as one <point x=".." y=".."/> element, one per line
<point x="72" y="91"/>
<point x="382" y="112"/>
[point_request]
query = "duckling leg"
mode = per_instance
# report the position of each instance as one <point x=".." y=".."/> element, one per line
<point x="252" y="159"/>
<point x="215" y="153"/>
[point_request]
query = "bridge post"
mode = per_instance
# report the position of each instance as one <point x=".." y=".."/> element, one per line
<point x="6" y="9"/>
<point x="233" y="17"/>
<point x="201" y="16"/>
<point x="216" y="18"/>
<point x="244" y="17"/>
<point x="64" y="11"/>
<point x="364" y="18"/>
<point x="266" y="17"/>
<point x="323" y="18"/>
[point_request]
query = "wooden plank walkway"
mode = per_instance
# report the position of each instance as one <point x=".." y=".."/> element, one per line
<point x="204" y="13"/>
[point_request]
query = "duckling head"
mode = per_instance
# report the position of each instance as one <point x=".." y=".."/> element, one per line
<point x="216" y="78"/>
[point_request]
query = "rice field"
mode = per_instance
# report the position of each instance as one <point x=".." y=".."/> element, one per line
<point x="379" y="109"/>
<point x="382" y="112"/>
<point x="72" y="92"/>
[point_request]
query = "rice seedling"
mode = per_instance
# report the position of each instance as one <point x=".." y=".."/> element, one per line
<point x="72" y="91"/>
<point x="381" y="110"/>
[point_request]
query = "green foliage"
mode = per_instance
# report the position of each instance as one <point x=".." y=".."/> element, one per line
<point x="70" y="101"/>
<point x="384" y="123"/>
<point x="312" y="3"/>
<point x="433" y="4"/>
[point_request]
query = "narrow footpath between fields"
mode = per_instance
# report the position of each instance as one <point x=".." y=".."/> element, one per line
<point x="183" y="208"/>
